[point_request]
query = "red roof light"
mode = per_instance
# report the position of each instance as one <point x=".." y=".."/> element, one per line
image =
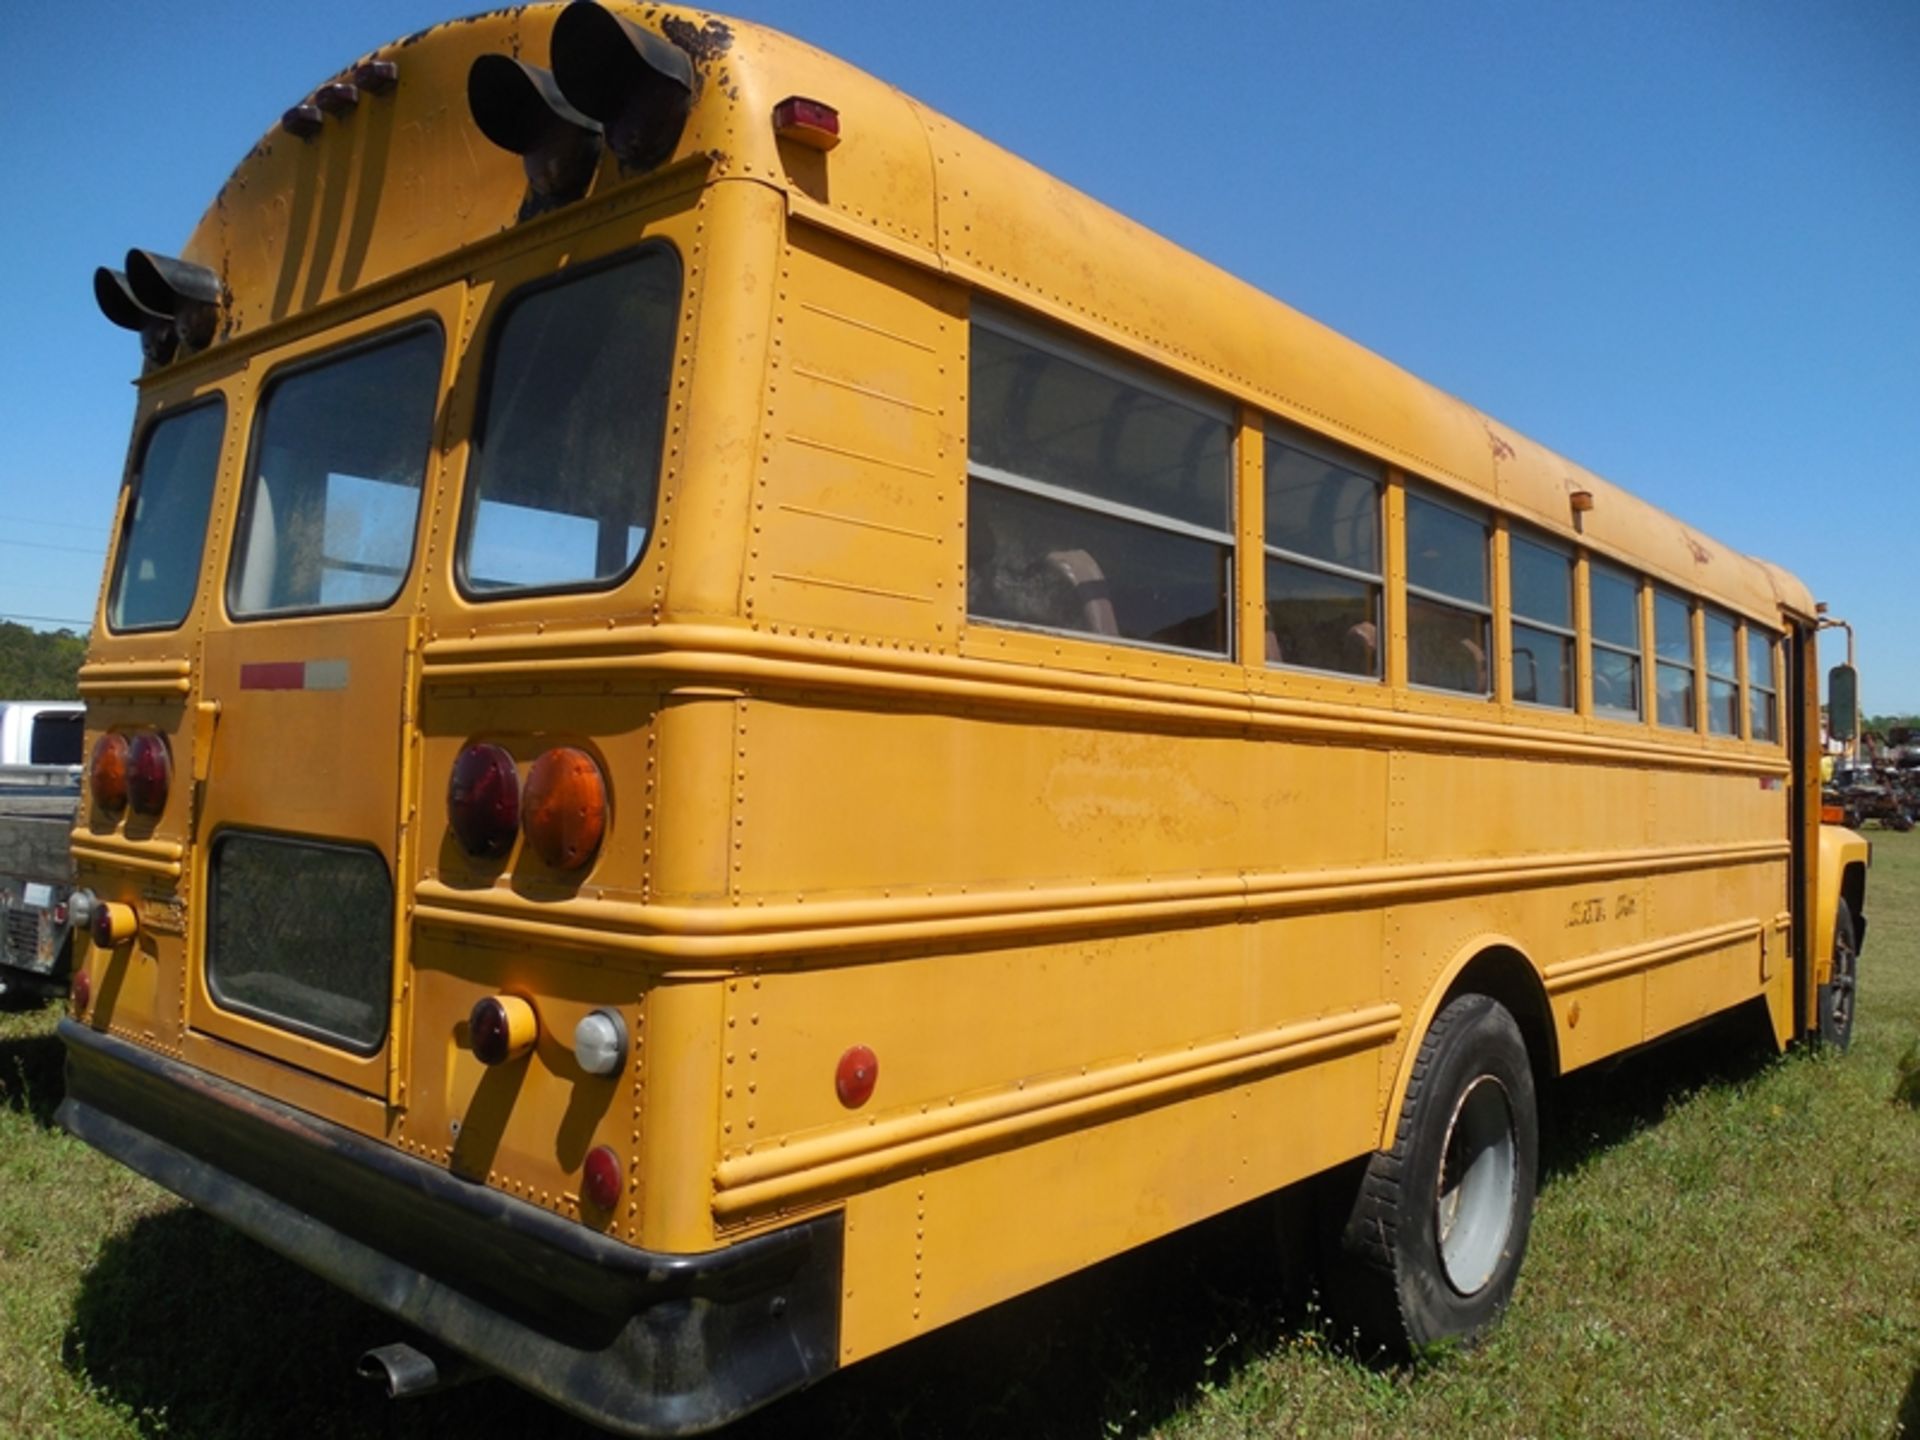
<point x="807" y="122"/>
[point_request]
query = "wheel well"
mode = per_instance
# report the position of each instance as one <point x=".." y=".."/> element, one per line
<point x="1853" y="890"/>
<point x="1505" y="975"/>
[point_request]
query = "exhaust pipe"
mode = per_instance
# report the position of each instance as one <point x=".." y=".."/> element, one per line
<point x="404" y="1372"/>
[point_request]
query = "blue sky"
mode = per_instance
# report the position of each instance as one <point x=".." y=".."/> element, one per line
<point x="1679" y="243"/>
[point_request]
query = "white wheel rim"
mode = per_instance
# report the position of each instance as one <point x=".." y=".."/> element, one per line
<point x="1473" y="1209"/>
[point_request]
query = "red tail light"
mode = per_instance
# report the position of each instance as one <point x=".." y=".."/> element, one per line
<point x="502" y="1028"/>
<point x="566" y="811"/>
<point x="149" y="773"/>
<point x="107" y="773"/>
<point x="601" y="1183"/>
<point x="483" y="800"/>
<point x="82" y="991"/>
<point x="113" y="924"/>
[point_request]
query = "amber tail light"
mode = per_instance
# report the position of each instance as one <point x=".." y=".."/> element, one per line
<point x="566" y="809"/>
<point x="107" y="773"/>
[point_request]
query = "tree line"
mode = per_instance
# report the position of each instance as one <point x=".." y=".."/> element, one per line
<point x="39" y="664"/>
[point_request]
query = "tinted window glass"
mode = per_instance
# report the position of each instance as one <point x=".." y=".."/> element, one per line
<point x="1042" y="416"/>
<point x="1446" y="551"/>
<point x="159" y="562"/>
<point x="1322" y="510"/>
<point x="1097" y="502"/>
<point x="1542" y="583"/>
<point x="301" y="935"/>
<point x="333" y="492"/>
<point x="1673" y="672"/>
<point x="1449" y="644"/>
<point x="1616" y="608"/>
<point x="1323" y="561"/>
<point x="1672" y="628"/>
<point x="1723" y="682"/>
<point x="57" y="739"/>
<point x="566" y="470"/>
<point x="1760" y="685"/>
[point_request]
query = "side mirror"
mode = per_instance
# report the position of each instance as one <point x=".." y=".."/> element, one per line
<point x="1843" y="702"/>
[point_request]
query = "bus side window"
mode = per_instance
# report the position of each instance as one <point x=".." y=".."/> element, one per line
<point x="1761" y="687"/>
<point x="1673" y="660"/>
<point x="1323" y="559"/>
<point x="1614" y="645"/>
<point x="1723" y="677"/>
<point x="1099" y="495"/>
<point x="1449" y="617"/>
<point x="1542" y="625"/>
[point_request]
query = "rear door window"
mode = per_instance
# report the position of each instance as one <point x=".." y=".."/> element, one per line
<point x="333" y="490"/>
<point x="566" y="469"/>
<point x="158" y="568"/>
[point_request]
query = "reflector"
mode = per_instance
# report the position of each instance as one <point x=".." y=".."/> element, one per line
<point x="636" y="84"/>
<point x="855" y="1076"/>
<point x="600" y="1181"/>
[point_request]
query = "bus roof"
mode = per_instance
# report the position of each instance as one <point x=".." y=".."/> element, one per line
<point x="405" y="181"/>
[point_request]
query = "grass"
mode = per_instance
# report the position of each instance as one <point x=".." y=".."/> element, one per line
<point x="1727" y="1243"/>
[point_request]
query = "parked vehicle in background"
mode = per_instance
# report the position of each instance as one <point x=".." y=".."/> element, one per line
<point x="40" y="749"/>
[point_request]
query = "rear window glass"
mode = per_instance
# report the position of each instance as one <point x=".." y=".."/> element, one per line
<point x="566" y="466"/>
<point x="333" y="493"/>
<point x="300" y="935"/>
<point x="159" y="563"/>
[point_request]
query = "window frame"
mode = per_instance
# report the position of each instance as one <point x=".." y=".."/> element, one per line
<point x="1138" y="374"/>
<point x="1636" y="653"/>
<point x="1278" y="432"/>
<point x="215" y="397"/>
<point x="469" y="513"/>
<point x="1692" y="667"/>
<point x="1749" y="633"/>
<point x="1709" y="616"/>
<point x="1517" y="535"/>
<point x="291" y="368"/>
<point x="1488" y="612"/>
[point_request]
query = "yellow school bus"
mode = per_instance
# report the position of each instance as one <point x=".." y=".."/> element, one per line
<point x="726" y="724"/>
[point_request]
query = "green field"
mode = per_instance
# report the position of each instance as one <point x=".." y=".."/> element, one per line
<point x="1728" y="1243"/>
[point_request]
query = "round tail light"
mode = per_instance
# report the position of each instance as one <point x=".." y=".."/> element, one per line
<point x="113" y="924"/>
<point x="483" y="801"/>
<point x="601" y="1182"/>
<point x="107" y="773"/>
<point x="566" y="811"/>
<point x="502" y="1028"/>
<point x="149" y="773"/>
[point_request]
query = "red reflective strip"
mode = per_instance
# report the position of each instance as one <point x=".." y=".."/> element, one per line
<point x="274" y="675"/>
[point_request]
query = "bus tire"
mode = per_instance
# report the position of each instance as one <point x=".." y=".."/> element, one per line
<point x="1837" y="996"/>
<point x="1434" y="1239"/>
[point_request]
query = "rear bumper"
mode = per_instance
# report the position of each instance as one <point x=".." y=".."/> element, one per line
<point x="642" y="1343"/>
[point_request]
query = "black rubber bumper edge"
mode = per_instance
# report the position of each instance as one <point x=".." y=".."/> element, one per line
<point x="637" y="1342"/>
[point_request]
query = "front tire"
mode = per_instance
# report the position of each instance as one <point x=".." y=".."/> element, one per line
<point x="1837" y="996"/>
<point x="1433" y="1243"/>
